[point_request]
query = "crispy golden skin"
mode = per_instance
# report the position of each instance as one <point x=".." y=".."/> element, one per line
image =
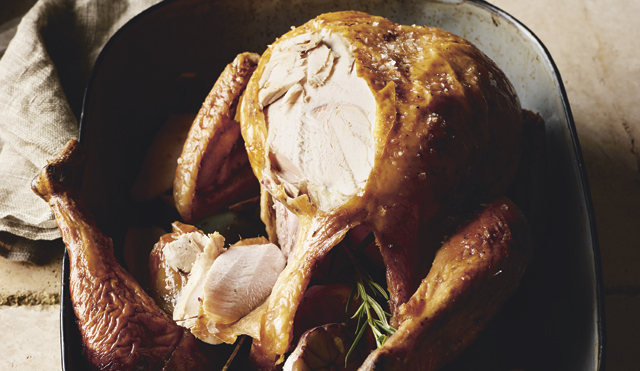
<point x="121" y="327"/>
<point x="448" y="129"/>
<point x="213" y="170"/>
<point x="473" y="273"/>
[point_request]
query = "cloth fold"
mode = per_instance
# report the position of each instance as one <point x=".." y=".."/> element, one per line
<point x="43" y="75"/>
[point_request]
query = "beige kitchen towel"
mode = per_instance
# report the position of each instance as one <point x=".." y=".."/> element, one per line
<point x="43" y="74"/>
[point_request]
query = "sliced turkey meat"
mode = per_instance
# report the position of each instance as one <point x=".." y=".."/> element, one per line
<point x="239" y="280"/>
<point x="181" y="253"/>
<point x="187" y="308"/>
<point x="225" y="286"/>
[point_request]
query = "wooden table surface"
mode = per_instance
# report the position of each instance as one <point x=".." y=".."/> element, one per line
<point x="596" y="46"/>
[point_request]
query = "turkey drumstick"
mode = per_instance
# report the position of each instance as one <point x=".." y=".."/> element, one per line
<point x="121" y="326"/>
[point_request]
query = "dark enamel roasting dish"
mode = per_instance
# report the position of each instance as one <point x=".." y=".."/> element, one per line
<point x="555" y="320"/>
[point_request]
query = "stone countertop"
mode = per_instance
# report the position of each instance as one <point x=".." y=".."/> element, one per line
<point x="596" y="46"/>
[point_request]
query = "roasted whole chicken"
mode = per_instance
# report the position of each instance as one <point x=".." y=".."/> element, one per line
<point x="382" y="154"/>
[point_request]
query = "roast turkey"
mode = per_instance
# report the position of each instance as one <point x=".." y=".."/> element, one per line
<point x="351" y="119"/>
<point x="351" y="124"/>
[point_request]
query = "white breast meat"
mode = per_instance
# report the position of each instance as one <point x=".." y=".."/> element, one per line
<point x="225" y="285"/>
<point x="240" y="279"/>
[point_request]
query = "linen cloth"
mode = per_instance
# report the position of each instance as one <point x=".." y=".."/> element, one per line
<point x="43" y="74"/>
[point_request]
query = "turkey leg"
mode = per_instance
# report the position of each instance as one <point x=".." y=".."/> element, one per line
<point x="121" y="326"/>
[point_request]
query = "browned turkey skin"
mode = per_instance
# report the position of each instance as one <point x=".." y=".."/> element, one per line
<point x="213" y="170"/>
<point x="121" y="326"/>
<point x="473" y="273"/>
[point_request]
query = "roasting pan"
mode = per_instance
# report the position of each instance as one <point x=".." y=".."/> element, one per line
<point x="167" y="58"/>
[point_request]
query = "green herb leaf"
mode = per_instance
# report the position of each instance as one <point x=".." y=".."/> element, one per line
<point x="379" y="326"/>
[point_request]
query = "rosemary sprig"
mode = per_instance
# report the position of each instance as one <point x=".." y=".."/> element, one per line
<point x="379" y="326"/>
<point x="235" y="351"/>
